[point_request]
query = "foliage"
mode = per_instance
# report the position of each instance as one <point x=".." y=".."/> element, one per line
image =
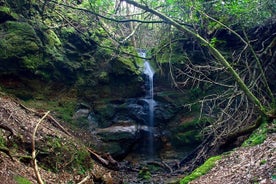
<point x="203" y="169"/>
<point x="244" y="12"/>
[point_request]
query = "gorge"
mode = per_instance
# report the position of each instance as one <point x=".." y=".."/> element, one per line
<point x="200" y="85"/>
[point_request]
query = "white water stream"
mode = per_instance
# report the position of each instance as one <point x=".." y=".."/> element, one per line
<point x="149" y="98"/>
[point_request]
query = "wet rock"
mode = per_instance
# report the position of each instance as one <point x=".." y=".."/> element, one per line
<point x="81" y="113"/>
<point x="118" y="139"/>
<point x="118" y="132"/>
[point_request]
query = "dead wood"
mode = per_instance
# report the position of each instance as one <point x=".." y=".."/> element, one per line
<point x="38" y="176"/>
<point x="108" y="162"/>
<point x="84" y="179"/>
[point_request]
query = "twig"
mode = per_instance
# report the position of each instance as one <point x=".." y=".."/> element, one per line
<point x="39" y="179"/>
<point x="167" y="166"/>
<point x="84" y="179"/>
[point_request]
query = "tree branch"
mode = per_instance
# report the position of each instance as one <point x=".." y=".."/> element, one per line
<point x="38" y="176"/>
<point x="108" y="18"/>
<point x="216" y="54"/>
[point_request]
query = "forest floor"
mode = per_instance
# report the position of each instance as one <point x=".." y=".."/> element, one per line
<point x="256" y="164"/>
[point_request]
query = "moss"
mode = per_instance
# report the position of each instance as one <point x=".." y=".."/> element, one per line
<point x="258" y="136"/>
<point x="21" y="180"/>
<point x="189" y="137"/>
<point x="203" y="169"/>
<point x="20" y="46"/>
<point x="189" y="132"/>
<point x="52" y="38"/>
<point x="59" y="154"/>
<point x="64" y="108"/>
<point x="67" y="31"/>
<point x="2" y="140"/>
<point x="7" y="14"/>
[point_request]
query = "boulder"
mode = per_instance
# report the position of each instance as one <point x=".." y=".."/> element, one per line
<point x="118" y="139"/>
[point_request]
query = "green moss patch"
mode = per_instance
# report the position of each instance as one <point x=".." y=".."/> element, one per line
<point x="63" y="108"/>
<point x="258" y="136"/>
<point x="21" y="180"/>
<point x="58" y="154"/>
<point x="203" y="169"/>
<point x="20" y="46"/>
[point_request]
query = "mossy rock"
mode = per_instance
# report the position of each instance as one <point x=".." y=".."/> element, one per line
<point x="125" y="66"/>
<point x="52" y="38"/>
<point x="6" y="14"/>
<point x="20" y="46"/>
<point x="188" y="133"/>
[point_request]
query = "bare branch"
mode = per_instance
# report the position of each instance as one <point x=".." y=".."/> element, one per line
<point x="38" y="176"/>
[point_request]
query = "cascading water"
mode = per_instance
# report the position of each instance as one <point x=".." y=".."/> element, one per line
<point x="149" y="72"/>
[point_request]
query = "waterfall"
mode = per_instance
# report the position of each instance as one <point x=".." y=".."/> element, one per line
<point x="149" y="72"/>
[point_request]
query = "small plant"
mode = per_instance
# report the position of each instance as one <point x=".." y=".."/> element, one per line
<point x="263" y="162"/>
<point x="21" y="180"/>
<point x="144" y="174"/>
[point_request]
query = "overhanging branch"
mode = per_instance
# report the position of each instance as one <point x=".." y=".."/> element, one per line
<point x="109" y="18"/>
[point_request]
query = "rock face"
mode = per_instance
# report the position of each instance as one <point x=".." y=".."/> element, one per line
<point x="38" y="44"/>
<point x="42" y="51"/>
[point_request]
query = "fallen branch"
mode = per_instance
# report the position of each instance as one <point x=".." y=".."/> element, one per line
<point x="106" y="160"/>
<point x="39" y="179"/>
<point x="84" y="179"/>
<point x="98" y="157"/>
